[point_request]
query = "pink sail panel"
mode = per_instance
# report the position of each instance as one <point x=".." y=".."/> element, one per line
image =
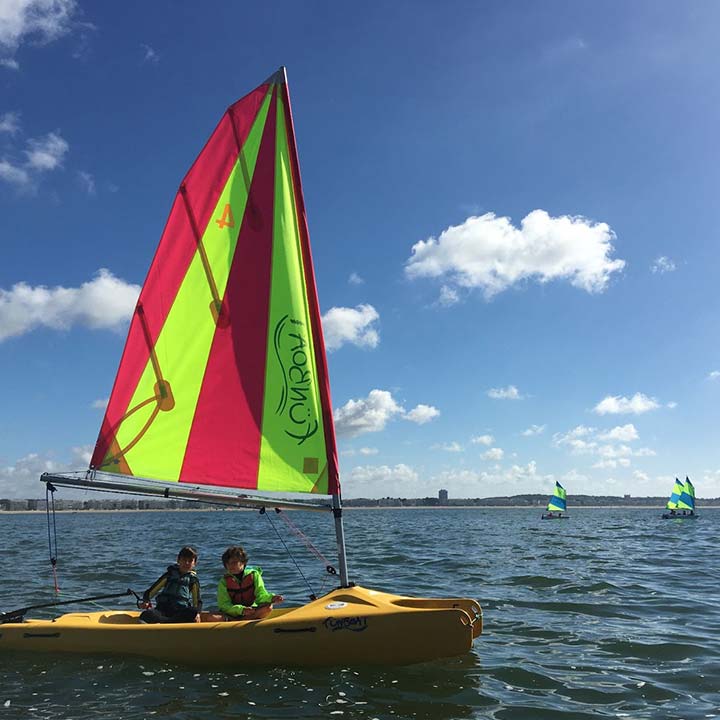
<point x="224" y="442"/>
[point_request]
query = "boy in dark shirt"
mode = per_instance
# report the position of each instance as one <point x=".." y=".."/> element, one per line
<point x="177" y="590"/>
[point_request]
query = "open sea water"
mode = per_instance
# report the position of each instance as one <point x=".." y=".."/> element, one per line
<point x="612" y="613"/>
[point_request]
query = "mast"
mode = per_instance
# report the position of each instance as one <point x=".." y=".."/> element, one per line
<point x="281" y="77"/>
<point x="340" y="536"/>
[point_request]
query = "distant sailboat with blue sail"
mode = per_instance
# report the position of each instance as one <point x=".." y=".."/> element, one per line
<point x="557" y="504"/>
<point x="682" y="501"/>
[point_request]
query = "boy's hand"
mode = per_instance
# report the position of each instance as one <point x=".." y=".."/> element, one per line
<point x="277" y="599"/>
<point x="256" y="613"/>
<point x="144" y="604"/>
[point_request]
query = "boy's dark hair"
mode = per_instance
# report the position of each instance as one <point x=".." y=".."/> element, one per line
<point x="188" y="552"/>
<point x="234" y="552"/>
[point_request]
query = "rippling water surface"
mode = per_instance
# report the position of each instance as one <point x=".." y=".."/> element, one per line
<point x="613" y="613"/>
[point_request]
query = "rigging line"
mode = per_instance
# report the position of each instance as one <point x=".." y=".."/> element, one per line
<point x="313" y="596"/>
<point x="306" y="540"/>
<point x="50" y="498"/>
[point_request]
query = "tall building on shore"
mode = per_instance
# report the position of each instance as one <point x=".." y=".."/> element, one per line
<point x="443" y="496"/>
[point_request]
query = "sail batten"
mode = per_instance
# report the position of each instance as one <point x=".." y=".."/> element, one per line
<point x="223" y="380"/>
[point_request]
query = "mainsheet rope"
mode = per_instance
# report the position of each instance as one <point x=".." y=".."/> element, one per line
<point x="308" y="543"/>
<point x="52" y="539"/>
<point x="50" y="491"/>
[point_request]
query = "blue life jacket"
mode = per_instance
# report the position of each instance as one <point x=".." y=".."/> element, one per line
<point x="178" y="588"/>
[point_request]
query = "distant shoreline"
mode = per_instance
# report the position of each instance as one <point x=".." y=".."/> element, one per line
<point x="538" y="508"/>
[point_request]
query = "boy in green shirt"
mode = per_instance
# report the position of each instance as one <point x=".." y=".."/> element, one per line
<point x="241" y="591"/>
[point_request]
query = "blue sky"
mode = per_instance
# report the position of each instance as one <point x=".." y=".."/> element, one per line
<point x="512" y="209"/>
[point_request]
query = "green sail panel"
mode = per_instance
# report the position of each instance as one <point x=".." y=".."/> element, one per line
<point x="677" y="491"/>
<point x="151" y="438"/>
<point x="558" y="501"/>
<point x="687" y="496"/>
<point x="293" y="452"/>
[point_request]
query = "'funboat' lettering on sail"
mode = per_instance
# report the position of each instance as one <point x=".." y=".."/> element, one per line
<point x="354" y="624"/>
<point x="296" y="405"/>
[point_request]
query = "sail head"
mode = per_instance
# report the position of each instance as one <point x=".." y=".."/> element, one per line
<point x="223" y="379"/>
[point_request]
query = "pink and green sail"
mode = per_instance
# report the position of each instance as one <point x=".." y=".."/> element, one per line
<point x="223" y="380"/>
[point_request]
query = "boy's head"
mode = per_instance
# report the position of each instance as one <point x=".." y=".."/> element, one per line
<point x="234" y="557"/>
<point x="187" y="557"/>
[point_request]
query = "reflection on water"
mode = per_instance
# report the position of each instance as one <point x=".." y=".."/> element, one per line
<point x="611" y="614"/>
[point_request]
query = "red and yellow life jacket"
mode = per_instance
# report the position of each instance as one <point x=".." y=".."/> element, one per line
<point x="241" y="588"/>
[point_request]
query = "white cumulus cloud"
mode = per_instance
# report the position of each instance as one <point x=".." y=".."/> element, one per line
<point x="37" y="21"/>
<point x="608" y="445"/>
<point x="493" y="454"/>
<point x="22" y="478"/>
<point x="10" y="123"/>
<point x="714" y="375"/>
<point x="663" y="265"/>
<point x="453" y="447"/>
<point x="621" y="433"/>
<point x="370" y="414"/>
<point x="105" y="302"/>
<point x="620" y="405"/>
<point x="422" y="414"/>
<point x="381" y="481"/>
<point x="350" y="325"/>
<point x="448" y="296"/>
<point x="87" y="182"/>
<point x="42" y="154"/>
<point x="472" y="484"/>
<point x="508" y="393"/>
<point x="14" y="174"/>
<point x="490" y="253"/>
<point x="150" y="55"/>
<point x="534" y="430"/>
<point x="46" y="153"/>
<point x="482" y="440"/>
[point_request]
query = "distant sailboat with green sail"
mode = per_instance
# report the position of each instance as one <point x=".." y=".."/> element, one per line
<point x="682" y="501"/>
<point x="557" y="504"/>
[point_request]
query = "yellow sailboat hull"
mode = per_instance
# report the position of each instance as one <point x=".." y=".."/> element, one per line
<point x="347" y="626"/>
